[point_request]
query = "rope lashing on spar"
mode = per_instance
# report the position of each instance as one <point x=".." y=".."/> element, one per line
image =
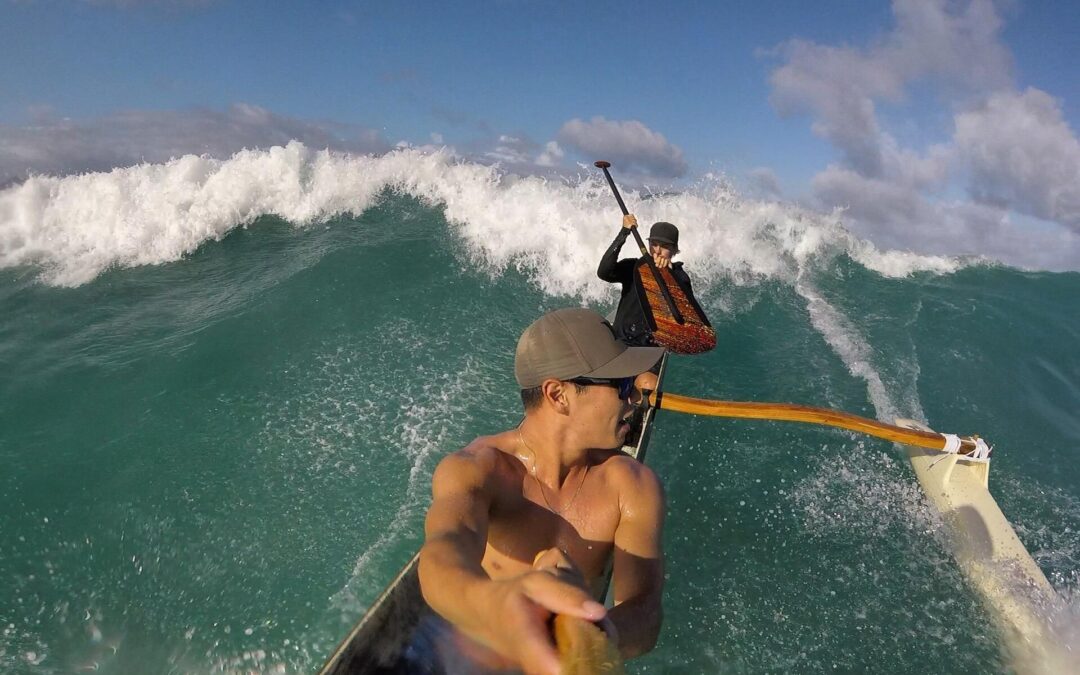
<point x="980" y="452"/>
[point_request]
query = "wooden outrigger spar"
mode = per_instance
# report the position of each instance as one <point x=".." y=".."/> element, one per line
<point x="377" y="642"/>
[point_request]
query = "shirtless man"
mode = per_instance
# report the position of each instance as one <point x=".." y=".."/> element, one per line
<point x="556" y="492"/>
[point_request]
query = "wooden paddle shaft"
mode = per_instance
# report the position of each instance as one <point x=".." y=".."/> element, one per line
<point x="790" y="412"/>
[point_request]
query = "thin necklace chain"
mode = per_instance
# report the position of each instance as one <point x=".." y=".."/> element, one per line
<point x="541" y="485"/>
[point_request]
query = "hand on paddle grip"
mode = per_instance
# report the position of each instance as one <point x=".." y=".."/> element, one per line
<point x="555" y="561"/>
<point x="629" y="221"/>
<point x="519" y="609"/>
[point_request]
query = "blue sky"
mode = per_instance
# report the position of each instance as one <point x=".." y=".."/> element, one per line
<point x="915" y="116"/>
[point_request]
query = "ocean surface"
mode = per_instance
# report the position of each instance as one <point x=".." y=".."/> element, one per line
<point x="224" y="385"/>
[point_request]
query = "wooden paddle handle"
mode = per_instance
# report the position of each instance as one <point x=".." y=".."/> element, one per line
<point x="584" y="649"/>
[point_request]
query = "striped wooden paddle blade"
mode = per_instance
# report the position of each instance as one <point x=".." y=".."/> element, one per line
<point x="694" y="335"/>
<point x="584" y="649"/>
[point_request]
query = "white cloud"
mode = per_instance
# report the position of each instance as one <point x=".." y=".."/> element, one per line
<point x="629" y="143"/>
<point x="1021" y="152"/>
<point x="63" y="146"/>
<point x="517" y="153"/>
<point x="841" y="85"/>
<point x="511" y="150"/>
<point x="895" y="215"/>
<point x="551" y="156"/>
<point x="1011" y="152"/>
<point x="57" y="146"/>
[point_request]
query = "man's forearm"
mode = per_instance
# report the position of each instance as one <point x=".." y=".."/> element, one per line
<point x="450" y="574"/>
<point x="638" y="624"/>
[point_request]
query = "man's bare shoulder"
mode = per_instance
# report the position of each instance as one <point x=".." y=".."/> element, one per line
<point x="473" y="465"/>
<point x="633" y="479"/>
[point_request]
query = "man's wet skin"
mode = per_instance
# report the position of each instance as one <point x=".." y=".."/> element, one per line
<point x="576" y="512"/>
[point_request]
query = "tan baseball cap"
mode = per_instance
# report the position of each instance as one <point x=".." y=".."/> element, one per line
<point x="569" y="343"/>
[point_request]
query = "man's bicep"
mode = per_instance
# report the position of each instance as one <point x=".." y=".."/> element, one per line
<point x="460" y="500"/>
<point x="639" y="556"/>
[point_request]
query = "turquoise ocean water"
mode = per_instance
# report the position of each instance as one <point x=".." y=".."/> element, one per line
<point x="224" y="386"/>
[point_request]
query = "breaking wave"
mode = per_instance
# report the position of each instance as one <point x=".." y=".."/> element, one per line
<point x="73" y="228"/>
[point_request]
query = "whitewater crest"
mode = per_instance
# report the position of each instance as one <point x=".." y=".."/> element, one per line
<point x="75" y="227"/>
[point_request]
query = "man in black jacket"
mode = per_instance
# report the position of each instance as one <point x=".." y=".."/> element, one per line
<point x="630" y="324"/>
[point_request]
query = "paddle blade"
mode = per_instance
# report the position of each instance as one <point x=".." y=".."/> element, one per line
<point x="584" y="649"/>
<point x="694" y="335"/>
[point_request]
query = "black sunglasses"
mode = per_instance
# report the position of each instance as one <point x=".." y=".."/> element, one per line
<point x="625" y="385"/>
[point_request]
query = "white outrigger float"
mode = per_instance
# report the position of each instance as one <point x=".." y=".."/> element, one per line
<point x="993" y="559"/>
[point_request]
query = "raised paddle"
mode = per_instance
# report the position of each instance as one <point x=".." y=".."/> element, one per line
<point x="675" y="313"/>
<point x="972" y="447"/>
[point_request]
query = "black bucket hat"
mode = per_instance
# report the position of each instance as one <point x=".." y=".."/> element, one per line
<point x="664" y="233"/>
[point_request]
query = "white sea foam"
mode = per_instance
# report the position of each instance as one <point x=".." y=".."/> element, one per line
<point x="854" y="351"/>
<point x="75" y="227"/>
